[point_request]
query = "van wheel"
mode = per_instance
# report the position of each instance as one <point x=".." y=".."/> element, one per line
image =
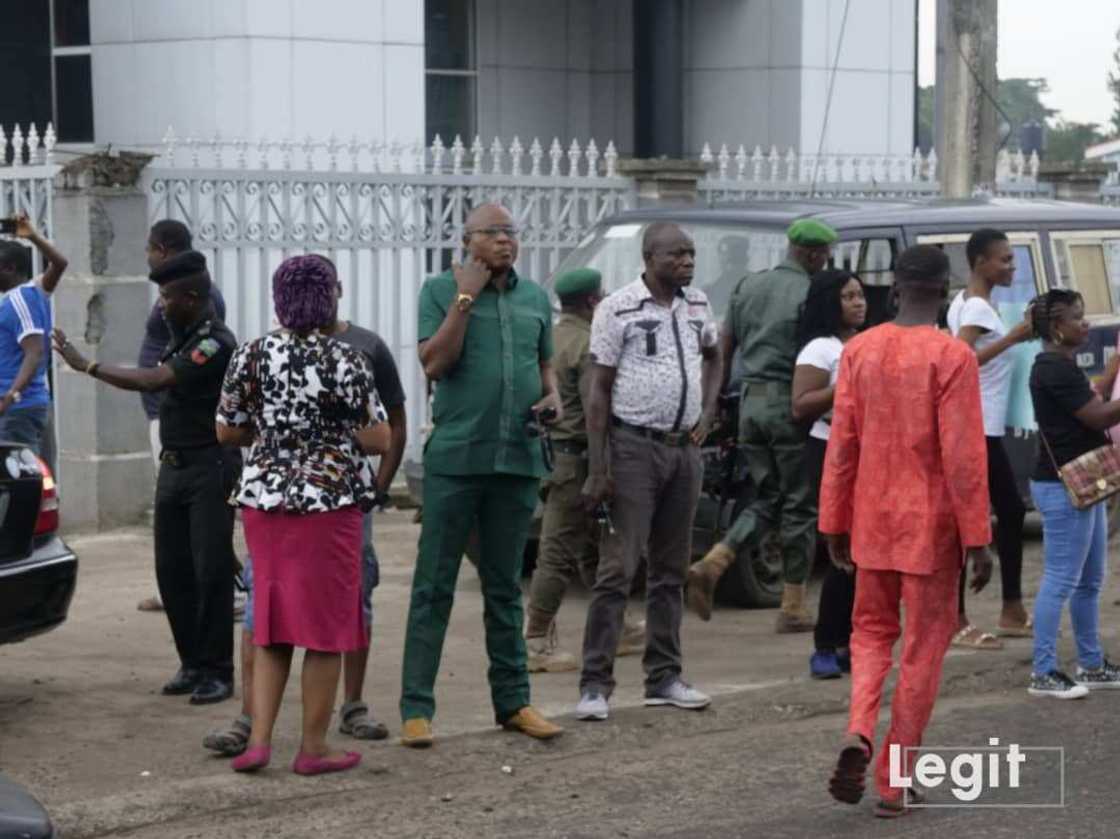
<point x="755" y="580"/>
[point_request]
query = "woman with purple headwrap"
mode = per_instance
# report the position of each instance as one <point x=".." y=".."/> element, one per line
<point x="307" y="408"/>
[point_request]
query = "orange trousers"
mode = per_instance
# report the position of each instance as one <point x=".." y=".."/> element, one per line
<point x="929" y="606"/>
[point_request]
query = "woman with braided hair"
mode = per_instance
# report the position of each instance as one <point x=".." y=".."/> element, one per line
<point x="1072" y="420"/>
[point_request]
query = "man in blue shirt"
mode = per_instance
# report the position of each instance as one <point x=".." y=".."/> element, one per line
<point x="25" y="327"/>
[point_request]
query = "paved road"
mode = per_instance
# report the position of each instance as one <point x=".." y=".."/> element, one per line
<point x="82" y="724"/>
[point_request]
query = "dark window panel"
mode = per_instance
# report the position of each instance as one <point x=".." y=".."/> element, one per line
<point x="25" y="64"/>
<point x="74" y="92"/>
<point x="448" y="34"/>
<point x="71" y="23"/>
<point x="450" y="108"/>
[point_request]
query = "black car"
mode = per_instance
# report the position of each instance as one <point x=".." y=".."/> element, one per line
<point x="38" y="571"/>
<point x="1056" y="244"/>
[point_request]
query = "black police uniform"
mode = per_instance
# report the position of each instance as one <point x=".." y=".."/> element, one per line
<point x="193" y="519"/>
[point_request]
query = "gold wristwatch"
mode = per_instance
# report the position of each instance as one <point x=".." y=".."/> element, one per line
<point x="464" y="302"/>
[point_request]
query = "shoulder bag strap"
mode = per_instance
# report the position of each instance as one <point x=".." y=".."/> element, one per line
<point x="1050" y="452"/>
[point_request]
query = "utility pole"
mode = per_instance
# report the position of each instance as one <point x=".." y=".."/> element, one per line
<point x="965" y="125"/>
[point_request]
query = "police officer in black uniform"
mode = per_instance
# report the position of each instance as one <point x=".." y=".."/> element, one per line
<point x="194" y="522"/>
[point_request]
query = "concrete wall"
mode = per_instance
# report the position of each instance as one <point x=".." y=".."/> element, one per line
<point x="757" y="73"/>
<point x="252" y="68"/>
<point x="555" y="68"/>
<point x="106" y="475"/>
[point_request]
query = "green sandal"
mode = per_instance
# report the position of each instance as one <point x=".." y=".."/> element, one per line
<point x="355" y="720"/>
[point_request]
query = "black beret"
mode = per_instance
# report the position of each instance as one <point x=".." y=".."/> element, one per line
<point x="179" y="267"/>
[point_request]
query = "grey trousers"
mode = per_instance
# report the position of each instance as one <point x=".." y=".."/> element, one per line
<point x="656" y="489"/>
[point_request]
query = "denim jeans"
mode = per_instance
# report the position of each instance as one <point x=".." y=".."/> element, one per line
<point x="1075" y="556"/>
<point x="25" y="425"/>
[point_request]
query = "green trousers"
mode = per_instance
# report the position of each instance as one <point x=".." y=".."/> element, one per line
<point x="775" y="449"/>
<point x="569" y="541"/>
<point x="501" y="507"/>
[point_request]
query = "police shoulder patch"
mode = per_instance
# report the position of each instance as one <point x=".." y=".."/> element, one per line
<point x="207" y="348"/>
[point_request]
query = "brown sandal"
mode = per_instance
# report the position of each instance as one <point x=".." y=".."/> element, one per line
<point x="847" y="782"/>
<point x="973" y="638"/>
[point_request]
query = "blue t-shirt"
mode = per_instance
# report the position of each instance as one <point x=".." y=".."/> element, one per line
<point x="25" y="310"/>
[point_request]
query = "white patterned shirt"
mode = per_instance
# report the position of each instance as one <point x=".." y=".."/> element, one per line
<point x="657" y="352"/>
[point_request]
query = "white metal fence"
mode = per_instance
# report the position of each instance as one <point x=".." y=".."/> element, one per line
<point x="758" y="175"/>
<point x="27" y="172"/>
<point x="388" y="216"/>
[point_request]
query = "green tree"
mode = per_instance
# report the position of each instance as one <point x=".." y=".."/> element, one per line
<point x="1114" y="86"/>
<point x="1019" y="99"/>
<point x="1066" y="141"/>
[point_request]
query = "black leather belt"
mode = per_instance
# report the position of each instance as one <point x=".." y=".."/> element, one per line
<point x="667" y="438"/>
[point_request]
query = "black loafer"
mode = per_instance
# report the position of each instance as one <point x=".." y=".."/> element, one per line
<point x="211" y="691"/>
<point x="185" y="681"/>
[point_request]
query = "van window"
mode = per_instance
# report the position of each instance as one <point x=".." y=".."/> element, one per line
<point x="1089" y="262"/>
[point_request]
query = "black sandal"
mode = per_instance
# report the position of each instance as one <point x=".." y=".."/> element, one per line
<point x="232" y="741"/>
<point x="847" y="782"/>
<point x="355" y="720"/>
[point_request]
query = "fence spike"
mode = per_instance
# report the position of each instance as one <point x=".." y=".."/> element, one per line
<point x="333" y="147"/>
<point x="610" y="157"/>
<point x="49" y="139"/>
<point x="516" y="153"/>
<point x="437" y="154"/>
<point x="931" y="166"/>
<point x="1033" y="164"/>
<point x="457" y="152"/>
<point x="573" y="159"/>
<point x="17" y="146"/>
<point x="3" y="146"/>
<point x="791" y="165"/>
<point x="354" y="149"/>
<point x="168" y="144"/>
<point x="262" y="152"/>
<point x="1003" y="165"/>
<point x="536" y="152"/>
<point x="32" y="144"/>
<point x="286" y="147"/>
<point x="308" y="147"/>
<point x="241" y="149"/>
<point x="592" y="159"/>
<point x="706" y="154"/>
<point x="724" y="161"/>
<point x="756" y="164"/>
<point x="496" y="152"/>
<point x="476" y="154"/>
<point x="741" y="163"/>
<point x="916" y="165"/>
<point x="555" y="152"/>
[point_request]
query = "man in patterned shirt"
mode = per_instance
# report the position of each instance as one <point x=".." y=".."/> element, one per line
<point x="654" y="386"/>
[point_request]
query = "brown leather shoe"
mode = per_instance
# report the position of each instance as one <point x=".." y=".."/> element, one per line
<point x="703" y="576"/>
<point x="417" y="733"/>
<point x="529" y="721"/>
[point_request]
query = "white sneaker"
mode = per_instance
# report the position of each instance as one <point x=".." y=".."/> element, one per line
<point x="680" y="694"/>
<point x="592" y="706"/>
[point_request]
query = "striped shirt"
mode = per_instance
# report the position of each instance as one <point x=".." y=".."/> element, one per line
<point x="24" y="311"/>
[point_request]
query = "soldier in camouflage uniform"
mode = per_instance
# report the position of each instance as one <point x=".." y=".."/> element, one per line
<point x="569" y="543"/>
<point x="761" y="325"/>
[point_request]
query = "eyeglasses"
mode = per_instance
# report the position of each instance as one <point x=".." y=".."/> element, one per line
<point x="496" y="230"/>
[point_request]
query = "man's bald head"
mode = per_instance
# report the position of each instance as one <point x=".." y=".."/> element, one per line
<point x="491" y="236"/>
<point x="669" y="254"/>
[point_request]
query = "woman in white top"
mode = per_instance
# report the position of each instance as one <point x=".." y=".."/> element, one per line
<point x="835" y="309"/>
<point x="974" y="320"/>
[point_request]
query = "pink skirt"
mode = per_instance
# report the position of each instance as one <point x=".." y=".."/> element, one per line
<point x="307" y="579"/>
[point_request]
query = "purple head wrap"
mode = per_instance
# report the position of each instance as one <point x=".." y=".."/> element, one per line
<point x="303" y="292"/>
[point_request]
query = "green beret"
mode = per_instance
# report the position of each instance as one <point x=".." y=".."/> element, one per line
<point x="811" y="233"/>
<point x="578" y="281"/>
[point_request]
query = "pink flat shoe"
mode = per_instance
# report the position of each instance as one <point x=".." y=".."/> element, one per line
<point x="252" y="759"/>
<point x="306" y="764"/>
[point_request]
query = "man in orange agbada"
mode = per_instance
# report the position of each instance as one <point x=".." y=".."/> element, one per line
<point x="904" y="498"/>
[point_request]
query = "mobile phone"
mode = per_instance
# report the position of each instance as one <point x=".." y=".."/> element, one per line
<point x="8" y="226"/>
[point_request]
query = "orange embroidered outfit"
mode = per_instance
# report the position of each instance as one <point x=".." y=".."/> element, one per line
<point x="906" y="477"/>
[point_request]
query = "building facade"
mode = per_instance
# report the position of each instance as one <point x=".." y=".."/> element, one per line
<point x="831" y="75"/>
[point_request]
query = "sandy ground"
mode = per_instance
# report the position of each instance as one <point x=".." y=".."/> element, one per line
<point x="83" y="725"/>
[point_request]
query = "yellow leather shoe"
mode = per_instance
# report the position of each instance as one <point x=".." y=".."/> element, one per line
<point x="529" y="721"/>
<point x="417" y="733"/>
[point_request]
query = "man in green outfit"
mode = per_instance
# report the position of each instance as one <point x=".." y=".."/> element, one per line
<point x="761" y="324"/>
<point x="569" y="542"/>
<point x="485" y="341"/>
